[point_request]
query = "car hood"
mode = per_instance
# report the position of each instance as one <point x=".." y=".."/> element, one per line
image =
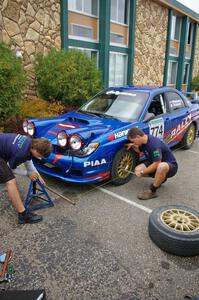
<point x="86" y="125"/>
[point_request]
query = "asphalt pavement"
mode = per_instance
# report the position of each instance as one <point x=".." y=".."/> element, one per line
<point x="100" y="248"/>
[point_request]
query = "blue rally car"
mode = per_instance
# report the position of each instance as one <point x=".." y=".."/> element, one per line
<point x="88" y="144"/>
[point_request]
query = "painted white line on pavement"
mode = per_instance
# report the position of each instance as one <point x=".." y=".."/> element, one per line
<point x="193" y="151"/>
<point x="148" y="210"/>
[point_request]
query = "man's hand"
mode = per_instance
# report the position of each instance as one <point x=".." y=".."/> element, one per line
<point x="138" y="173"/>
<point x="128" y="146"/>
<point x="35" y="175"/>
<point x="133" y="146"/>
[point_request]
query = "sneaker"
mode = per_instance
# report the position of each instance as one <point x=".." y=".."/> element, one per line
<point x="29" y="218"/>
<point x="146" y="195"/>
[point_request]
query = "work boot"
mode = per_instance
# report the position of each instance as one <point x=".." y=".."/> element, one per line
<point x="146" y="195"/>
<point x="29" y="217"/>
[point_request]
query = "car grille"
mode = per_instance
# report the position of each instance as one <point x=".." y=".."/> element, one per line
<point x="48" y="166"/>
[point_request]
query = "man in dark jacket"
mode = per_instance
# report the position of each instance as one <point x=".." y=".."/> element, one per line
<point x="16" y="149"/>
<point x="160" y="162"/>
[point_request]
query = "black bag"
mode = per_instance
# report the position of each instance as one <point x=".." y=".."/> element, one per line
<point x="22" y="295"/>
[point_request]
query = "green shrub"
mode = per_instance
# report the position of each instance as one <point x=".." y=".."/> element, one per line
<point x="67" y="76"/>
<point x="39" y="108"/>
<point x="195" y="83"/>
<point x="12" y="82"/>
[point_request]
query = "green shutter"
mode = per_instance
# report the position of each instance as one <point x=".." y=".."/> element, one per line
<point x="183" y="40"/>
<point x="64" y="24"/>
<point x="170" y="14"/>
<point x="104" y="39"/>
<point x="192" y="56"/>
<point x="132" y="20"/>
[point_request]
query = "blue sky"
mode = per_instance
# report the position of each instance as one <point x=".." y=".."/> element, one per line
<point x="192" y="4"/>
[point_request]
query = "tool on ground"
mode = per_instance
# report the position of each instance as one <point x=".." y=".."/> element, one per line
<point x="35" y="193"/>
<point x="60" y="195"/>
<point x="4" y="268"/>
<point x="128" y="171"/>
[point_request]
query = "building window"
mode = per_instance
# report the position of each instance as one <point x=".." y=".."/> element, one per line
<point x="81" y="31"/>
<point x="116" y="38"/>
<point x="190" y="33"/>
<point x="176" y="27"/>
<point x="186" y="74"/>
<point x="172" y="72"/>
<point x="119" y="11"/>
<point x="117" y="69"/>
<point x="92" y="54"/>
<point x="89" y="7"/>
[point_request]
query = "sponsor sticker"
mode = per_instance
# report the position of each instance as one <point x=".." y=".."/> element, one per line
<point x="94" y="163"/>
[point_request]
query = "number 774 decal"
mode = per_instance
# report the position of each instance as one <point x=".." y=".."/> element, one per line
<point x="156" y="128"/>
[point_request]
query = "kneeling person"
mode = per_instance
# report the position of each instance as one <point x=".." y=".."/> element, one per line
<point x="160" y="162"/>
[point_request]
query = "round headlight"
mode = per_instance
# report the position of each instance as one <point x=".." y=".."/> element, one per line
<point x="62" y="139"/>
<point x="75" y="142"/>
<point x="31" y="129"/>
<point x="25" y="126"/>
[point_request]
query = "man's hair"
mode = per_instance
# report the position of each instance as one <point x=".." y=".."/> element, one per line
<point x="43" y="146"/>
<point x="133" y="132"/>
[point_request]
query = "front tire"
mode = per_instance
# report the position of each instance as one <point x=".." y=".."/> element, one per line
<point x="189" y="137"/>
<point x="124" y="162"/>
<point x="175" y="229"/>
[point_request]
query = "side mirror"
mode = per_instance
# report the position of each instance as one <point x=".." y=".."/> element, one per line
<point x="195" y="101"/>
<point x="149" y="116"/>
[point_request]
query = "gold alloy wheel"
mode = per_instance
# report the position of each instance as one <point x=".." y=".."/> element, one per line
<point x="191" y="135"/>
<point x="125" y="165"/>
<point x="180" y="220"/>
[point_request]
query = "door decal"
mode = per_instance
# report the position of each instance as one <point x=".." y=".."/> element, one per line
<point x="156" y="127"/>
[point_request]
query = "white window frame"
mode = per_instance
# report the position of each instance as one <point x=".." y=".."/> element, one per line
<point x="81" y="48"/>
<point x="173" y="29"/>
<point x="187" y="77"/>
<point x="117" y="22"/>
<point x="75" y="37"/>
<point x="126" y="65"/>
<point x="117" y="44"/>
<point x="84" y="13"/>
<point x="192" y="28"/>
<point x="171" y="61"/>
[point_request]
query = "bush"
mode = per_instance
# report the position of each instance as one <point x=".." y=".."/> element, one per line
<point x="39" y="108"/>
<point x="12" y="82"/>
<point x="195" y="83"/>
<point x="67" y="76"/>
<point x="32" y="108"/>
<point x="14" y="124"/>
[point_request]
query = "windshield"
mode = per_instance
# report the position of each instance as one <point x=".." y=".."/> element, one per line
<point x="122" y="105"/>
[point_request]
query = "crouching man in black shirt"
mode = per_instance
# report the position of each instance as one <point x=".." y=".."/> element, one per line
<point x="16" y="149"/>
<point x="160" y="162"/>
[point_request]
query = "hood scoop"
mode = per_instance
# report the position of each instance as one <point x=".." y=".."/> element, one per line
<point x="75" y="119"/>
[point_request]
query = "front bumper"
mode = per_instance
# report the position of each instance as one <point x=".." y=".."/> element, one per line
<point x="75" y="169"/>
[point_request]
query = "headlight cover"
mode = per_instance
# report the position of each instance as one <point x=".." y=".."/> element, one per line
<point x="89" y="149"/>
<point x="75" y="142"/>
<point x="25" y="126"/>
<point x="31" y="129"/>
<point x="62" y="139"/>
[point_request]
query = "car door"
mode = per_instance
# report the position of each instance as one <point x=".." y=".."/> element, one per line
<point x="160" y="123"/>
<point x="178" y="117"/>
